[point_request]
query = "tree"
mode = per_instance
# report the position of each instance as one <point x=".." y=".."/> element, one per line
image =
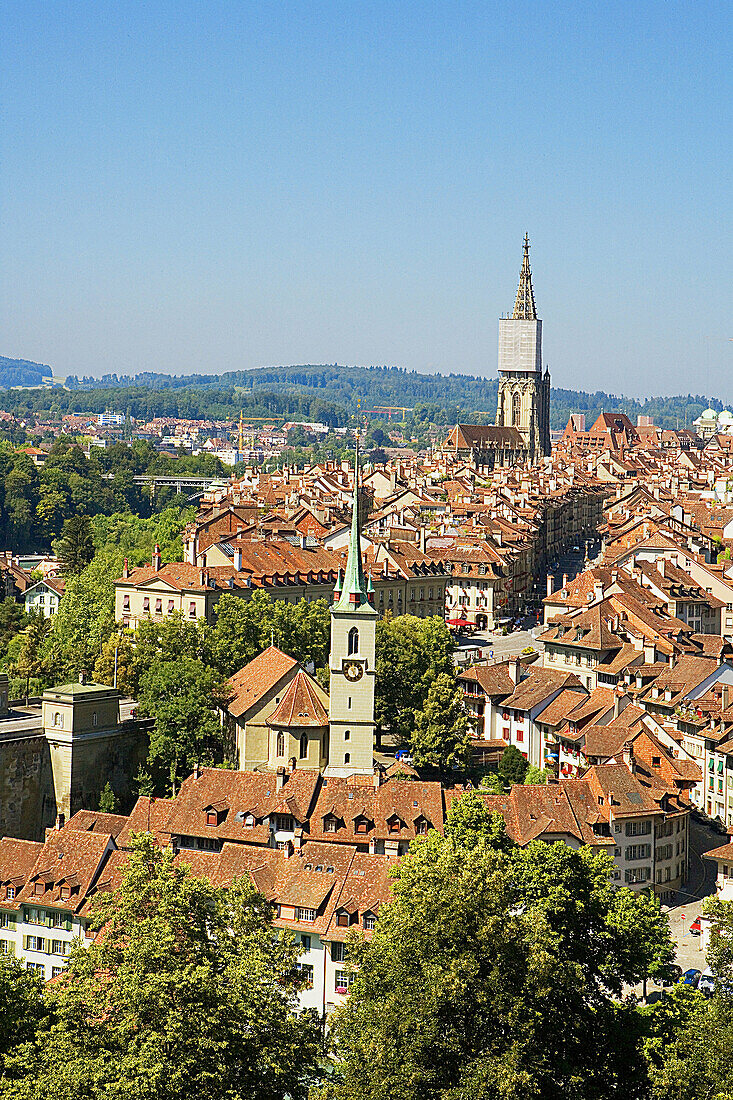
<point x="181" y="697"/>
<point x="535" y="776"/>
<point x="30" y="660"/>
<point x="107" y="799"/>
<point x="440" y="736"/>
<point x="487" y="974"/>
<point x="85" y="618"/>
<point x="244" y="628"/>
<point x="410" y="654"/>
<point x="76" y="546"/>
<point x="513" y="766"/>
<point x="468" y="823"/>
<point x="22" y="1007"/>
<point x="186" y="994"/>
<point x="119" y="651"/>
<point x="11" y="620"/>
<point x="492" y="783"/>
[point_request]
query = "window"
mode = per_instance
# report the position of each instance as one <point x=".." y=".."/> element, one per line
<point x="146" y="604"/>
<point x="347" y="758"/>
<point x="125" y="603"/>
<point x="656" y="761"/>
<point x="421" y="827"/>
<point x="35" y="943"/>
<point x="6" y="920"/>
<point x="637" y="874"/>
<point x="638" y="851"/>
<point x="638" y="828"/>
<point x="348" y="703"/>
<point x="58" y="920"/>
<point x="212" y="818"/>
<point x="57" y="947"/>
<point x="192" y="609"/>
<point x="94" y="718"/>
<point x="58" y="718"/>
<point x="40" y="888"/>
<point x="353" y="640"/>
<point x="342" y="918"/>
<point x="171" y="605"/>
<point x="394" y="824"/>
<point x="303" y="746"/>
<point x="362" y="825"/>
<point x="520" y="736"/>
<point x="304" y="914"/>
<point x="159" y="607"/>
<point x="6" y="947"/>
<point x="330" y="824"/>
<point x="284" y="822"/>
<point x="516" y="410"/>
<point x="10" y="892"/>
<point x="305" y="942"/>
<point x="343" y="981"/>
<point x="306" y="973"/>
<point x="280" y="750"/>
<point x="56" y="970"/>
<point x="36" y="966"/>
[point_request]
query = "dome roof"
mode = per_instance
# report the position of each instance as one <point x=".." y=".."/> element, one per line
<point x="726" y="415"/>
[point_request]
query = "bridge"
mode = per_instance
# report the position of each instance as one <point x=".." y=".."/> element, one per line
<point x="194" y="484"/>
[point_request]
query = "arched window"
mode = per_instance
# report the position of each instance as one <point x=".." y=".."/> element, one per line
<point x="281" y="744"/>
<point x="347" y="758"/>
<point x="57" y="719"/>
<point x="303" y="746"/>
<point x="353" y="640"/>
<point x="516" y="410"/>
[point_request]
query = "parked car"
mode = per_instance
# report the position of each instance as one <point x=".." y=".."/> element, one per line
<point x="655" y="997"/>
<point x="696" y="927"/>
<point x="707" y="983"/>
<point x="691" y="977"/>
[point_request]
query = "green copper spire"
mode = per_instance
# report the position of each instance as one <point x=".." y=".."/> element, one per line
<point x="354" y="595"/>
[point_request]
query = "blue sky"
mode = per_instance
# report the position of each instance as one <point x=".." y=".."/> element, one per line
<point x="212" y="186"/>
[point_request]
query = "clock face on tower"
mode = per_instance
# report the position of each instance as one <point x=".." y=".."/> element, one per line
<point x="353" y="670"/>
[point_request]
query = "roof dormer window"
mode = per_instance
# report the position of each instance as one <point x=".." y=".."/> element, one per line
<point x="212" y="818"/>
<point x="394" y="824"/>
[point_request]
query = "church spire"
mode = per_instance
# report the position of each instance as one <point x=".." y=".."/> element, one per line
<point x="354" y="593"/>
<point x="524" y="307"/>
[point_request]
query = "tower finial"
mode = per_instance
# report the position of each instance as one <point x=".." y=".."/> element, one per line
<point x="354" y="591"/>
<point x="524" y="307"/>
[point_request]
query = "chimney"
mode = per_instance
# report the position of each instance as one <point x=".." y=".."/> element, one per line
<point x="303" y="541"/>
<point x="616" y="704"/>
<point x="598" y="590"/>
<point x="238" y="559"/>
<point x="422" y="540"/>
<point x="629" y="756"/>
<point x="662" y="566"/>
<point x="197" y="770"/>
<point x="280" y="778"/>
<point x="550" y="583"/>
<point x="83" y="676"/>
<point x="723" y="697"/>
<point x="126" y="569"/>
<point x="515" y="670"/>
<point x="156" y="558"/>
<point x="377" y="778"/>
<point x="60" y="819"/>
<point x="564" y="580"/>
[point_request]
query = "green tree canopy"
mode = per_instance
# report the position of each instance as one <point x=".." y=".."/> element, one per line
<point x="410" y="654"/>
<point x="489" y="972"/>
<point x="440" y="735"/>
<point x="187" y="995"/>
<point x="513" y="766"/>
<point x="181" y="697"/>
<point x="75" y="548"/>
<point x="244" y="628"/>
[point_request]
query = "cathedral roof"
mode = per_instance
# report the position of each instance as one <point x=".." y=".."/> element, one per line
<point x="354" y="595"/>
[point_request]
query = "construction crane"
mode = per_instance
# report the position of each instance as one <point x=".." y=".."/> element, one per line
<point x="389" y="409"/>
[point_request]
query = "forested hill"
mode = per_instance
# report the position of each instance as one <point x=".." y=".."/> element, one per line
<point x="329" y="393"/>
<point x="21" y="372"/>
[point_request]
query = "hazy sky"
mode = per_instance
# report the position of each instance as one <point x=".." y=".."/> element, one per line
<point x="211" y="186"/>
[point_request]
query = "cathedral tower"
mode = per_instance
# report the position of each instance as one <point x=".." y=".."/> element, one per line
<point x="352" y="662"/>
<point x="524" y="393"/>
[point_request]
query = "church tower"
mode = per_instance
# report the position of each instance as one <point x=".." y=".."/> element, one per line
<point x="524" y="393"/>
<point x="352" y="662"/>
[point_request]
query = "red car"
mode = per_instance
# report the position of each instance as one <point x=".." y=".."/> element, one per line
<point x="696" y="927"/>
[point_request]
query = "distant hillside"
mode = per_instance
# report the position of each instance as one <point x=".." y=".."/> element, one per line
<point x="21" y="372"/>
<point x="440" y="398"/>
